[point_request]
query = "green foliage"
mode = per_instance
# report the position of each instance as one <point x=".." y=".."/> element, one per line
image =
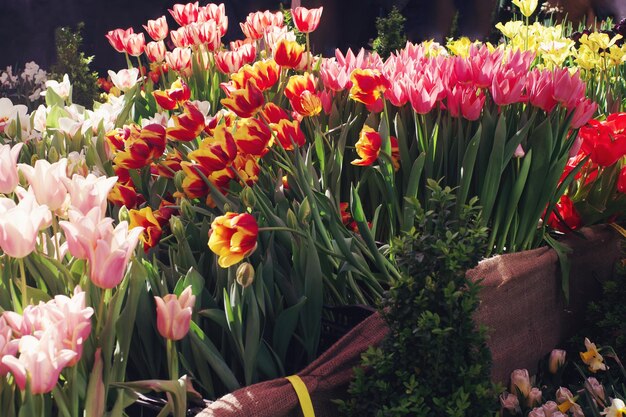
<point x="391" y="35"/>
<point x="71" y="61"/>
<point x="434" y="361"/>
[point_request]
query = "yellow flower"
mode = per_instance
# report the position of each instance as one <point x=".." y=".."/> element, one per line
<point x="554" y="52"/>
<point x="592" y="357"/>
<point x="511" y="29"/>
<point x="527" y="7"/>
<point x="459" y="47"/>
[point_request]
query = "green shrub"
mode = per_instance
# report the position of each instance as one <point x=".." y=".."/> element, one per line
<point x="434" y="361"/>
<point x="71" y="61"/>
<point x="391" y="35"/>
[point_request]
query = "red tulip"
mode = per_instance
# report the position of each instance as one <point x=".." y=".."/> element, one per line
<point x="567" y="212"/>
<point x="367" y="147"/>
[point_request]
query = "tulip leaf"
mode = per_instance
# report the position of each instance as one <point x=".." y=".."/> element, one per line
<point x="562" y="252"/>
<point x="491" y="184"/>
<point x="253" y="336"/>
<point x="311" y="314"/>
<point x="213" y="357"/>
<point x="467" y="168"/>
<point x="284" y="328"/>
<point x="412" y="191"/>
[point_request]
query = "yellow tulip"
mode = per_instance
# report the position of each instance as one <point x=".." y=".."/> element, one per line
<point x="527" y="7"/>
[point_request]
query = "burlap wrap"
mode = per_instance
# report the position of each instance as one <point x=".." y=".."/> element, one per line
<point x="521" y="303"/>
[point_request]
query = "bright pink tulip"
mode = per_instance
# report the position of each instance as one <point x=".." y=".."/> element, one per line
<point x="155" y="51"/>
<point x="157" y="29"/>
<point x="307" y="20"/>
<point x="540" y="88"/>
<point x="174" y="314"/>
<point x="185" y="14"/>
<point x="9" y="177"/>
<point x="20" y="225"/>
<point x="583" y="112"/>
<point x="40" y="361"/>
<point x="424" y="94"/>
<point x="46" y="181"/>
<point x="117" y="38"/>
<point x="569" y="90"/>
<point x="89" y="192"/>
<point x="179" y="59"/>
<point x="507" y="88"/>
<point x="135" y="44"/>
<point x="112" y="252"/>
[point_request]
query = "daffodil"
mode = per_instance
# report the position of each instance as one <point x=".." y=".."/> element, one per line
<point x="592" y="357"/>
<point x="617" y="409"/>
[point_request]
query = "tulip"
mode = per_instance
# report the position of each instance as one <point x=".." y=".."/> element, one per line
<point x="74" y="323"/>
<point x="62" y="89"/>
<point x="8" y="345"/>
<point x="245" y="275"/>
<point x="125" y="79"/>
<point x="509" y="401"/>
<point x="257" y="22"/>
<point x="20" y="225"/>
<point x="135" y="44"/>
<point x="592" y="357"/>
<point x="216" y="13"/>
<point x="155" y="51"/>
<point x="142" y="146"/>
<point x="247" y="167"/>
<point x="117" y="38"/>
<point x="88" y="192"/>
<point x="40" y="361"/>
<point x="534" y="397"/>
<point x="233" y="236"/>
<point x="537" y="412"/>
<point x="367" y="147"/>
<point x="229" y="62"/>
<point x="205" y="33"/>
<point x="567" y="211"/>
<point x="83" y="230"/>
<point x="216" y="153"/>
<point x="288" y="133"/>
<point x="9" y="177"/>
<point x="245" y="102"/>
<point x="185" y="14"/>
<point x="556" y="361"/>
<point x="151" y="227"/>
<point x="252" y="136"/>
<point x="527" y="7"/>
<point x="273" y="113"/>
<point x="179" y="59"/>
<point x="300" y="91"/>
<point x="193" y="183"/>
<point x="125" y="194"/>
<point x="180" y="37"/>
<point x="520" y="382"/>
<point x="174" y="314"/>
<point x="596" y="388"/>
<point x="288" y="53"/>
<point x="306" y="20"/>
<point x="157" y="29"/>
<point x="110" y="256"/>
<point x="176" y="95"/>
<point x="367" y="85"/>
<point x="188" y="125"/>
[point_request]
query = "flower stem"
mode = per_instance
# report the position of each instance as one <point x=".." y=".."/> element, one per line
<point x="23" y="276"/>
<point x="172" y="359"/>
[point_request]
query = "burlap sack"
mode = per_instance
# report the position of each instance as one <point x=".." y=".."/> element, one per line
<point x="326" y="379"/>
<point x="522" y="302"/>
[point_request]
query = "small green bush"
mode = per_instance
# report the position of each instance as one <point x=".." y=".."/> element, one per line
<point x="391" y="36"/>
<point x="434" y="361"/>
<point x="71" y="61"/>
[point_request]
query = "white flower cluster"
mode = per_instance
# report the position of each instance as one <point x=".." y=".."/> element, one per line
<point x="27" y="86"/>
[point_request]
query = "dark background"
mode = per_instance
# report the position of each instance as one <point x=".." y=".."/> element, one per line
<point x="27" y="26"/>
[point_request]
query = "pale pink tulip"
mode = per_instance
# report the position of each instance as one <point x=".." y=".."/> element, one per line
<point x="45" y="179"/>
<point x="8" y="345"/>
<point x="537" y="412"/>
<point x="89" y="192"/>
<point x="125" y="79"/>
<point x="549" y="408"/>
<point x="9" y="177"/>
<point x="534" y="397"/>
<point x="306" y="20"/>
<point x="157" y="29"/>
<point x="180" y="37"/>
<point x="135" y="44"/>
<point x="155" y="51"/>
<point x="76" y="164"/>
<point x="185" y="14"/>
<point x="556" y="361"/>
<point x="229" y="62"/>
<point x="39" y="361"/>
<point x="112" y="252"/>
<point x="20" y="225"/>
<point x="214" y="12"/>
<point x="83" y="231"/>
<point x="520" y="382"/>
<point x="509" y="402"/>
<point x="174" y="314"/>
<point x="179" y="59"/>
<point x="75" y="325"/>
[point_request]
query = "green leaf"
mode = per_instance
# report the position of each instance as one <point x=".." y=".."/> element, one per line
<point x="467" y="169"/>
<point x="284" y="328"/>
<point x="562" y="252"/>
<point x="489" y="190"/>
<point x="311" y="314"/>
<point x="411" y="192"/>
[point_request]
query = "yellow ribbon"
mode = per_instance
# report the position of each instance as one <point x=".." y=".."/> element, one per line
<point x="619" y="228"/>
<point x="303" y="395"/>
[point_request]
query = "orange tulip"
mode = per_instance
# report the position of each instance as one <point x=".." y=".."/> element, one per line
<point x="252" y="136"/>
<point x="233" y="236"/>
<point x="151" y="227"/>
<point x="188" y="125"/>
<point x="368" y="147"/>
<point x="217" y="152"/>
<point x="306" y="20"/>
<point x="288" y="53"/>
<point x="367" y="85"/>
<point x="245" y="102"/>
<point x="288" y="133"/>
<point x="301" y="93"/>
<point x="141" y="147"/>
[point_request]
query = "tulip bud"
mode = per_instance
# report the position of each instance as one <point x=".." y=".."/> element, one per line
<point x="563" y="395"/>
<point x="304" y="213"/>
<point x="247" y="197"/>
<point x="245" y="274"/>
<point x="596" y="388"/>
<point x="534" y="397"/>
<point x="178" y="181"/>
<point x="174" y="314"/>
<point x="509" y="402"/>
<point x="520" y="380"/>
<point x="292" y="221"/>
<point x="178" y="230"/>
<point x="557" y="360"/>
<point x="123" y="215"/>
<point x="550" y="408"/>
<point x="186" y="209"/>
<point x="53" y="155"/>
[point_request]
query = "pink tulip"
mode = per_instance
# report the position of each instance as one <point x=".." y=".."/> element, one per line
<point x="45" y="179"/>
<point x="509" y="402"/>
<point x="534" y="397"/>
<point x="214" y="12"/>
<point x="307" y="20"/>
<point x="179" y="59"/>
<point x="155" y="51"/>
<point x="135" y="44"/>
<point x="9" y="177"/>
<point x="537" y="412"/>
<point x="83" y="231"/>
<point x="185" y="14"/>
<point x="556" y="361"/>
<point x="125" y="79"/>
<point x="583" y="112"/>
<point x="180" y="37"/>
<point x="75" y="325"/>
<point x="229" y="62"/>
<point x="109" y="258"/>
<point x="205" y="33"/>
<point x="117" y="38"/>
<point x="89" y="192"/>
<point x="424" y="94"/>
<point x="549" y="408"/>
<point x="20" y="225"/>
<point x="540" y="88"/>
<point x="157" y="29"/>
<point x="569" y="90"/>
<point x="40" y="361"/>
<point x="8" y="345"/>
<point x="174" y="314"/>
<point x="520" y="382"/>
<point x="507" y="87"/>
